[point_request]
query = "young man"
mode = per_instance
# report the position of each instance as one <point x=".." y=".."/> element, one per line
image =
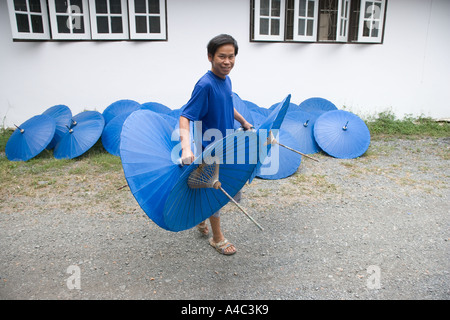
<point x="212" y="104"/>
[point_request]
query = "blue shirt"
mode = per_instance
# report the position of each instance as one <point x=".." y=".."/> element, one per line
<point x="212" y="104"/>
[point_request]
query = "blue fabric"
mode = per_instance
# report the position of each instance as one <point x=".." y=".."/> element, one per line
<point x="212" y="103"/>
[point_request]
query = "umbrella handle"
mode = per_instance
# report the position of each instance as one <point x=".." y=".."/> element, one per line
<point x="218" y="186"/>
<point x="20" y="129"/>
<point x="271" y="139"/>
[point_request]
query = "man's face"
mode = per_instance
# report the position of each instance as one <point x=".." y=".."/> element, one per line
<point x="223" y="60"/>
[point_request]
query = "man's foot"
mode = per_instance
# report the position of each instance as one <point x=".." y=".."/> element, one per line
<point x="223" y="247"/>
<point x="203" y="228"/>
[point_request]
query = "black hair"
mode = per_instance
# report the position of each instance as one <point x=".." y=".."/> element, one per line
<point x="221" y="40"/>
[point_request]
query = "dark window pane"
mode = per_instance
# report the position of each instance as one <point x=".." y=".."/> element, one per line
<point x="265" y="7"/>
<point x="155" y="24"/>
<point x="302" y="8"/>
<point x="61" y="6"/>
<point x="100" y="6"/>
<point x="63" y="22"/>
<point x="116" y="25"/>
<point x="141" y="24"/>
<point x="115" y="6"/>
<point x="36" y="24"/>
<point x="22" y="22"/>
<point x="78" y="26"/>
<point x="275" y="27"/>
<point x="310" y="9"/>
<point x="264" y="26"/>
<point x="153" y="6"/>
<point x="301" y="27"/>
<point x="35" y="5"/>
<point x="77" y="6"/>
<point x="276" y="8"/>
<point x="139" y="6"/>
<point x="102" y="25"/>
<point x="310" y="28"/>
<point x="20" y="5"/>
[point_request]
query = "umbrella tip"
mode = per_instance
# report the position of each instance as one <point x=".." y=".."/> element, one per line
<point x="345" y="127"/>
<point x="20" y="129"/>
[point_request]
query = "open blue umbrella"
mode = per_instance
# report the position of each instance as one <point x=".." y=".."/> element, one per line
<point x="156" y="107"/>
<point x="317" y="105"/>
<point x="301" y="126"/>
<point x="241" y="107"/>
<point x="342" y="134"/>
<point x="111" y="134"/>
<point x="254" y="108"/>
<point x="281" y="162"/>
<point x="30" y="138"/>
<point x="119" y="107"/>
<point x="62" y="115"/>
<point x="147" y="151"/>
<point x="292" y="107"/>
<point x="212" y="180"/>
<point x="82" y="134"/>
<point x="265" y="133"/>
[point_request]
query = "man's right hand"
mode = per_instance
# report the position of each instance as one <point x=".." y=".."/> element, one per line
<point x="187" y="157"/>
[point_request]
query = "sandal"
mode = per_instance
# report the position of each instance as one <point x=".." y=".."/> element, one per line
<point x="222" y="246"/>
<point x="203" y="228"/>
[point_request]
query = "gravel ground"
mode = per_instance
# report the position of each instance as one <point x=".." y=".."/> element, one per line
<point x="376" y="227"/>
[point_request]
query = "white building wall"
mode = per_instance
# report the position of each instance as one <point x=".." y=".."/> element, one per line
<point x="407" y="74"/>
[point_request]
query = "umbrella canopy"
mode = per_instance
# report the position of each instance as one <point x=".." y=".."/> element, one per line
<point x="271" y="123"/>
<point x="30" y="138"/>
<point x="156" y="107"/>
<point x="119" y="107"/>
<point x="292" y="107"/>
<point x="317" y="105"/>
<point x="146" y="148"/>
<point x="204" y="188"/>
<point x="241" y="107"/>
<point x="62" y="116"/>
<point x="301" y="126"/>
<point x="282" y="162"/>
<point x="342" y="134"/>
<point x="255" y="108"/>
<point x="111" y="134"/>
<point x="84" y="132"/>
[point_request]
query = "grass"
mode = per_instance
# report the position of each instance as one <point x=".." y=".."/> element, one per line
<point x="386" y="125"/>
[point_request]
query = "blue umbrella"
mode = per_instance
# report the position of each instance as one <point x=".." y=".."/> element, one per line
<point x="212" y="180"/>
<point x="119" y="107"/>
<point x="317" y="105"/>
<point x="292" y="107"/>
<point x="156" y="107"/>
<point x="241" y="107"/>
<point x="255" y="108"/>
<point x="283" y="162"/>
<point x="84" y="132"/>
<point x="301" y="126"/>
<point x="30" y="138"/>
<point x="146" y="152"/>
<point x="342" y="134"/>
<point x="62" y="116"/>
<point x="111" y="134"/>
<point x="265" y="135"/>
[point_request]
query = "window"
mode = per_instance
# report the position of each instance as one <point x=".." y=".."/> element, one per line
<point x="147" y="19"/>
<point x="88" y="19"/>
<point x="29" y="19"/>
<point x="69" y="19"/>
<point x="319" y="20"/>
<point x="109" y="19"/>
<point x="269" y="20"/>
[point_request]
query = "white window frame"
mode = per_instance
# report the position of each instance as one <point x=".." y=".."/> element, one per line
<point x="257" y="28"/>
<point x="124" y="35"/>
<point x="374" y="21"/>
<point x="297" y="18"/>
<point x="72" y="21"/>
<point x="343" y="20"/>
<point x="29" y="35"/>
<point x="162" y="35"/>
